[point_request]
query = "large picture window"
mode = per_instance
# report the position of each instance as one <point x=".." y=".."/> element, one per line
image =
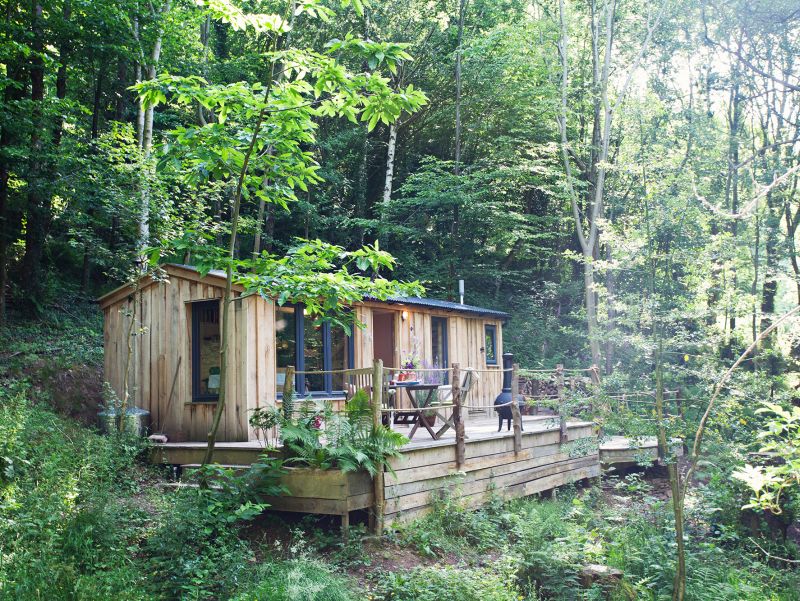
<point x="490" y="345"/>
<point x="439" y="343"/>
<point x="324" y="348"/>
<point x="205" y="350"/>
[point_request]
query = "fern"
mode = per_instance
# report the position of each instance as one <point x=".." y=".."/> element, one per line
<point x="349" y="442"/>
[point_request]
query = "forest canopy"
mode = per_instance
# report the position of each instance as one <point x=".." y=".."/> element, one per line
<point x="570" y="162"/>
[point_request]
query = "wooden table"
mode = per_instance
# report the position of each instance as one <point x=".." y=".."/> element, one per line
<point x="416" y="414"/>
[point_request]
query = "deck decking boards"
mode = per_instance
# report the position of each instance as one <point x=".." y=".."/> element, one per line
<point x="621" y="451"/>
<point x="428" y="467"/>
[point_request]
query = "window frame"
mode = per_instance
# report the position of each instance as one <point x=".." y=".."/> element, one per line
<point x="437" y="319"/>
<point x="490" y="327"/>
<point x="327" y="357"/>
<point x="196" y="307"/>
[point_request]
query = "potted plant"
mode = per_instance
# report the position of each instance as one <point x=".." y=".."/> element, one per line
<point x="408" y="367"/>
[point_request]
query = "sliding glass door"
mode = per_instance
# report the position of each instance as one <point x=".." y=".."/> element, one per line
<point x="322" y="348"/>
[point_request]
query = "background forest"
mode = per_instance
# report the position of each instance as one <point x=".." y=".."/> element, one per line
<point x="675" y="178"/>
<point x="621" y="176"/>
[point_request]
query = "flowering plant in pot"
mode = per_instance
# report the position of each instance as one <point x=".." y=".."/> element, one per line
<point x="407" y="366"/>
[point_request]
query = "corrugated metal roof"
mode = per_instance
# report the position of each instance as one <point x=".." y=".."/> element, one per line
<point x="434" y="303"/>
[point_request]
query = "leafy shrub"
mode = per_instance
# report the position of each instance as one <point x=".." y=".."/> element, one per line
<point x="63" y="532"/>
<point x="453" y="527"/>
<point x="351" y="441"/>
<point x="496" y="582"/>
<point x="297" y="579"/>
<point x="196" y="550"/>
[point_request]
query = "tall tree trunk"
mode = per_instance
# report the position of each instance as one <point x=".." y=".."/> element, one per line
<point x="146" y="123"/>
<point x="587" y="220"/>
<point x="390" y="150"/>
<point x="98" y="98"/>
<point x="228" y="295"/>
<point x="361" y="186"/>
<point x="41" y="164"/>
<point x="120" y="104"/>
<point x="732" y="181"/>
<point x="462" y="8"/>
<point x="679" y="581"/>
<point x="11" y="94"/>
<point x="769" y="289"/>
<point x="792" y="221"/>
<point x="37" y="211"/>
<point x="262" y="208"/>
<point x="611" y="313"/>
<point x="756" y="274"/>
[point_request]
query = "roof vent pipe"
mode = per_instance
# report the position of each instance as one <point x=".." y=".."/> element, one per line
<point x="461" y="290"/>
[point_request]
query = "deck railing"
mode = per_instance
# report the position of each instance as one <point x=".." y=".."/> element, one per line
<point x="376" y="382"/>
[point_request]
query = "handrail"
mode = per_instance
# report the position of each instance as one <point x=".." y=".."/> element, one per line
<point x="356" y="371"/>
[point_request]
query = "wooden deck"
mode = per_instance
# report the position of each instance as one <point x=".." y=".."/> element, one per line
<point x="620" y="451"/>
<point x="428" y="467"/>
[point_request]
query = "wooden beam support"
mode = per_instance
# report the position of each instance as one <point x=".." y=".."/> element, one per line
<point x="288" y="392"/>
<point x="458" y="418"/>
<point x="515" y="414"/>
<point x="378" y="478"/>
<point x="562" y="418"/>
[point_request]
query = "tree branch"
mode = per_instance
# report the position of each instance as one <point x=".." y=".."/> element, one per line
<point x="701" y="428"/>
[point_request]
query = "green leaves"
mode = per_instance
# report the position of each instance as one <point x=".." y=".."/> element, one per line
<point x="768" y="483"/>
<point x="324" y="277"/>
<point x="351" y="442"/>
<point x="227" y="12"/>
<point x="319" y="275"/>
<point x="358" y="5"/>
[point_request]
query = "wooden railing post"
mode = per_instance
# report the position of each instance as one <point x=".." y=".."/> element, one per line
<point x="515" y="414"/>
<point x="562" y="418"/>
<point x="458" y="416"/>
<point x="594" y="374"/>
<point x="288" y="393"/>
<point x="379" y="490"/>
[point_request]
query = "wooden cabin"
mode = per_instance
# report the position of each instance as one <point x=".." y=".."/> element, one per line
<point x="174" y="363"/>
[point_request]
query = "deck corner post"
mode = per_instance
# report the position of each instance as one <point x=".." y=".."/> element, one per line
<point x="515" y="413"/>
<point x="379" y="490"/>
<point x="562" y="418"/>
<point x="288" y="392"/>
<point x="458" y="418"/>
<point x="594" y="374"/>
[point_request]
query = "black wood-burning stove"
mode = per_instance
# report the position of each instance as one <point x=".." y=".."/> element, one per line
<point x="503" y="400"/>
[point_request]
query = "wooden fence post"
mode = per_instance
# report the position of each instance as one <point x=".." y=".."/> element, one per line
<point x="458" y="417"/>
<point x="379" y="490"/>
<point x="515" y="414"/>
<point x="288" y="390"/>
<point x="594" y="373"/>
<point x="562" y="419"/>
